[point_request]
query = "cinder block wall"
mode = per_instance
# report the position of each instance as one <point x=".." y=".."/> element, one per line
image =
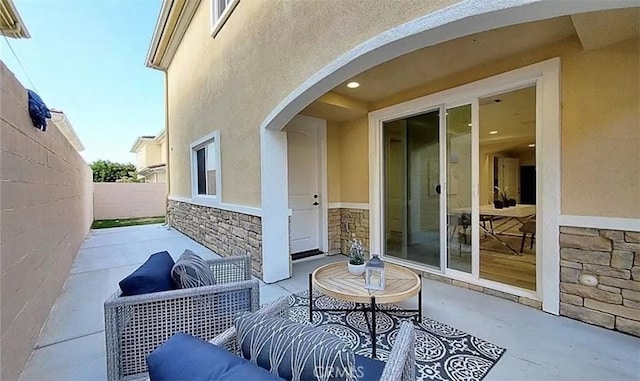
<point x="46" y="209"/>
<point x="128" y="200"/>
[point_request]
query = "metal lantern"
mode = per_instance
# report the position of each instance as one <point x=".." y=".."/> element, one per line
<point x="374" y="274"/>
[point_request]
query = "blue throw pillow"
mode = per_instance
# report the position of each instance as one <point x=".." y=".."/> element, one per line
<point x="153" y="276"/>
<point x="295" y="351"/>
<point x="368" y="369"/>
<point x="184" y="357"/>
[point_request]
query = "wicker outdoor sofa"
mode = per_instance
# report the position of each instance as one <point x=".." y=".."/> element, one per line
<point x="400" y="365"/>
<point x="136" y="325"/>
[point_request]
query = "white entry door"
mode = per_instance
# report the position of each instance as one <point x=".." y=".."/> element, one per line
<point x="304" y="195"/>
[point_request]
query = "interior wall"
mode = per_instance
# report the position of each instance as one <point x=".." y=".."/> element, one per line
<point x="230" y="83"/>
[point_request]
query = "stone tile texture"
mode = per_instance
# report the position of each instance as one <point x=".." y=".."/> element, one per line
<point x="611" y="257"/>
<point x="226" y="233"/>
<point x="344" y="223"/>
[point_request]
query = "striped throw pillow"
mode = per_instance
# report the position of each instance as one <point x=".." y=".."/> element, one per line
<point x="192" y="271"/>
<point x="294" y="351"/>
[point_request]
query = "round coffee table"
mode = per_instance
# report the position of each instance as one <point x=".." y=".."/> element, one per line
<point x="335" y="280"/>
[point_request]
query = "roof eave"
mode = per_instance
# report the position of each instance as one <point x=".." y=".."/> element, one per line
<point x="9" y="11"/>
<point x="64" y="125"/>
<point x="165" y="40"/>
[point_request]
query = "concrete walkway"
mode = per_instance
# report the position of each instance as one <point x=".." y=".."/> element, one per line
<point x="539" y="346"/>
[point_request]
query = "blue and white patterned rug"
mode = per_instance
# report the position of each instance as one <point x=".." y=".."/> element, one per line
<point x="442" y="352"/>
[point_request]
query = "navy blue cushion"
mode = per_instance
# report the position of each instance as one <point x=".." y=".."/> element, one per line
<point x="368" y="369"/>
<point x="153" y="276"/>
<point x="184" y="357"/>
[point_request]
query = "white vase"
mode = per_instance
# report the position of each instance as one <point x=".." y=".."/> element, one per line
<point x="356" y="269"/>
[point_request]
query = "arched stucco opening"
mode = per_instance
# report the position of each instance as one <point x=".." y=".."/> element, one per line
<point x="465" y="18"/>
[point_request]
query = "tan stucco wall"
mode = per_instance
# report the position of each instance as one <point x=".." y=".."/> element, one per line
<point x="128" y="200"/>
<point x="348" y="143"/>
<point x="333" y="161"/>
<point x="141" y="157"/>
<point x="601" y="131"/>
<point x="163" y="151"/>
<point x="154" y="155"/>
<point x="45" y="213"/>
<point x="231" y="82"/>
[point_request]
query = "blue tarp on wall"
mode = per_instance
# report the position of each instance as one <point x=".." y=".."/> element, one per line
<point x="38" y="111"/>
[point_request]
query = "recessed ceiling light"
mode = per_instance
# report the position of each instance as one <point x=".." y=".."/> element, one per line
<point x="353" y="85"/>
<point x="493" y="132"/>
<point x="532" y="145"/>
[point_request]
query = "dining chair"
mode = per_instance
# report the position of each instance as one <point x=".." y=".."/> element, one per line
<point x="528" y="227"/>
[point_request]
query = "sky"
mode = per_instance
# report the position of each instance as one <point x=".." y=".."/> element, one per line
<point x="87" y="58"/>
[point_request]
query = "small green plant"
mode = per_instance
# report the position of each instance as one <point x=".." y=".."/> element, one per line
<point x="356" y="253"/>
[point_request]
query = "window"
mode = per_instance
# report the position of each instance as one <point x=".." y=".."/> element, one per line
<point x="220" y="11"/>
<point x="205" y="166"/>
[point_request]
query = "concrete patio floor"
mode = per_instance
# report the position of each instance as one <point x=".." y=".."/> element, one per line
<point x="539" y="346"/>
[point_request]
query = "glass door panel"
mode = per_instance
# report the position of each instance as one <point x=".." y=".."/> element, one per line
<point x="459" y="188"/>
<point x="507" y="162"/>
<point x="412" y="188"/>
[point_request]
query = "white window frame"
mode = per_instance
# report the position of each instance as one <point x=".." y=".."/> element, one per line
<point x="206" y="199"/>
<point x="218" y="19"/>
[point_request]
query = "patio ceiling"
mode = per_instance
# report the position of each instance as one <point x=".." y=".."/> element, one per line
<point x="426" y="65"/>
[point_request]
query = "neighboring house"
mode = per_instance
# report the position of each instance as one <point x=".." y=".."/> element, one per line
<point x="151" y="158"/>
<point x="60" y="120"/>
<point x="294" y="125"/>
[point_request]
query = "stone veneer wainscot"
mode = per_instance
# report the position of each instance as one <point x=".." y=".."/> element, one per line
<point x="343" y="222"/>
<point x="226" y="233"/>
<point x="613" y="258"/>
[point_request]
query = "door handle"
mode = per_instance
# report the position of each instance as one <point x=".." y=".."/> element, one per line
<point x="316" y="203"/>
<point x="438" y="187"/>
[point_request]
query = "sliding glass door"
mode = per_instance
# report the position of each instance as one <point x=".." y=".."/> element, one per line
<point x="459" y="166"/>
<point x="412" y="188"/>
<point x="442" y="176"/>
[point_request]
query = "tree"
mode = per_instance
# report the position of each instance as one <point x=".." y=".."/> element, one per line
<point x="105" y="171"/>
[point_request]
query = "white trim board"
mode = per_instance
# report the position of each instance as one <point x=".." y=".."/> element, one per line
<point x="249" y="210"/>
<point x="349" y="205"/>
<point x="613" y="223"/>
